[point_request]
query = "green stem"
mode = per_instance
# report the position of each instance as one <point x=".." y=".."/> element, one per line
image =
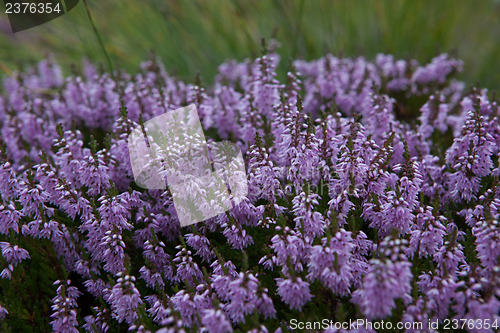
<point x="99" y="39"/>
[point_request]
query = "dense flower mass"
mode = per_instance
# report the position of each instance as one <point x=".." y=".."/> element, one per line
<point x="373" y="193"/>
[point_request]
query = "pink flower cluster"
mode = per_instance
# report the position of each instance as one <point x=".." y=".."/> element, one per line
<point x="373" y="193"/>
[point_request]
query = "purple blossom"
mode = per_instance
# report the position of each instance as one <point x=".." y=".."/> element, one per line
<point x="311" y="222"/>
<point x="427" y="234"/>
<point x="124" y="298"/>
<point x="13" y="255"/>
<point x="373" y="185"/>
<point x="290" y="248"/>
<point x="64" y="307"/>
<point x="332" y="263"/>
<point x="470" y="156"/>
<point x="387" y="280"/>
<point x="9" y="218"/>
<point x="294" y="292"/>
<point x="216" y="321"/>
<point x="8" y="182"/>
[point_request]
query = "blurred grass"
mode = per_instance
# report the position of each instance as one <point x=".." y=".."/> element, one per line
<point x="196" y="36"/>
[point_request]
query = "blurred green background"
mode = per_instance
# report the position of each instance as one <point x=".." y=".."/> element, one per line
<point x="196" y="36"/>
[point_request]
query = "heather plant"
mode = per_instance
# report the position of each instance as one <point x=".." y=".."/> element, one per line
<point x="373" y="192"/>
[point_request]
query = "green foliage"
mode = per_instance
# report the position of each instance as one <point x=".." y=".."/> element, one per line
<point x="28" y="295"/>
<point x="196" y="36"/>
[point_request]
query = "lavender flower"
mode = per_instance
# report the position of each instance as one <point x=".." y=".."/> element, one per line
<point x="64" y="316"/>
<point x="216" y="321"/>
<point x="125" y="299"/>
<point x="294" y="292"/>
<point x="13" y="255"/>
<point x="373" y="187"/>
<point x="387" y="280"/>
